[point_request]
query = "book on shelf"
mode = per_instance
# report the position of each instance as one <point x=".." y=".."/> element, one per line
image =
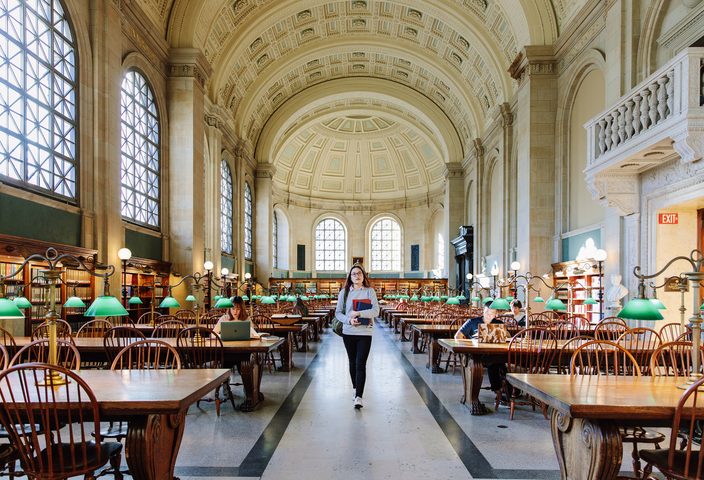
<point x="7" y="269"/>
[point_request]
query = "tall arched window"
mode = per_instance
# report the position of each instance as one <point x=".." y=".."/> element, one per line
<point x="385" y="244"/>
<point x="247" y="222"/>
<point x="139" y="166"/>
<point x="225" y="208"/>
<point x="38" y="78"/>
<point x="330" y="240"/>
<point x="275" y="241"/>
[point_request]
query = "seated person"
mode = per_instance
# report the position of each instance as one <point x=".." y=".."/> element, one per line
<point x="300" y="308"/>
<point x="237" y="312"/>
<point x="518" y="313"/>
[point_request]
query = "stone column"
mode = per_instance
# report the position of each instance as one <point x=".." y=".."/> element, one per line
<point x="481" y="229"/>
<point x="213" y="138"/>
<point x="263" y="222"/>
<point x="188" y="70"/>
<point x="453" y="213"/>
<point x="510" y="199"/>
<point x="103" y="223"/>
<point x="534" y="69"/>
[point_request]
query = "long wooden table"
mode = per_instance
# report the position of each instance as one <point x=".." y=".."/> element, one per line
<point x="587" y="411"/>
<point x="433" y="332"/>
<point x="247" y="355"/>
<point x="154" y="403"/>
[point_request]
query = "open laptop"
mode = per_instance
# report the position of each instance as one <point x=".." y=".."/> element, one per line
<point x="238" y="330"/>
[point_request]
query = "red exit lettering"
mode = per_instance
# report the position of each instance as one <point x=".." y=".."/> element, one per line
<point x="668" y="218"/>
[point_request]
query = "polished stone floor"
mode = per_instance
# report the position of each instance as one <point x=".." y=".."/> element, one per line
<point x="412" y="426"/>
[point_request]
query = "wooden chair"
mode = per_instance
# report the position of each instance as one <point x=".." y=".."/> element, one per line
<point x="204" y="352"/>
<point x="563" y="329"/>
<point x="673" y="359"/>
<point x="147" y="355"/>
<point x="530" y="351"/>
<point x="149" y="318"/>
<point x="168" y="329"/>
<point x="565" y="352"/>
<point x="4" y="358"/>
<point x="7" y="339"/>
<point x="94" y="329"/>
<point x="186" y="316"/>
<point x="118" y="338"/>
<point x="674" y="462"/>
<point x="641" y="342"/>
<point x="580" y="321"/>
<point x="54" y="453"/>
<point x="63" y="331"/>
<point x="121" y="321"/>
<point x="610" y="329"/>
<point x="67" y="355"/>
<point x="670" y="332"/>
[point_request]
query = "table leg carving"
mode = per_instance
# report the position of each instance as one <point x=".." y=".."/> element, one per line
<point x="152" y="445"/>
<point x="403" y="331"/>
<point x="415" y="339"/>
<point x="251" y="372"/>
<point x="472" y="377"/>
<point x="286" y="350"/>
<point x="586" y="450"/>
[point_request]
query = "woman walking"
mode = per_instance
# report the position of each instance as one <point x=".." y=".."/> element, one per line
<point x="357" y="307"/>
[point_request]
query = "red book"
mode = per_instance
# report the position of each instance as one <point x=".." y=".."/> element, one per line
<point x="362" y="304"/>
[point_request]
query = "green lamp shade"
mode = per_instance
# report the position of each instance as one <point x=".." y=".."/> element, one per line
<point x="590" y="301"/>
<point x="539" y="299"/>
<point x="22" y="302"/>
<point x="462" y="298"/>
<point x="257" y="297"/>
<point x="701" y="307"/>
<point x="435" y="299"/>
<point x="658" y="304"/>
<point x="640" y="309"/>
<point x="404" y="297"/>
<point x="224" y="302"/>
<point x="106" y="306"/>
<point x="444" y="297"/>
<point x="268" y="300"/>
<point x="414" y="298"/>
<point x="191" y="298"/>
<point x="487" y="300"/>
<point x="74" y="302"/>
<point x="135" y="301"/>
<point x="476" y="299"/>
<point x="169" y="302"/>
<point x="218" y="297"/>
<point x="291" y="298"/>
<point x="244" y="297"/>
<point x="304" y="298"/>
<point x="453" y="301"/>
<point x="8" y="309"/>
<point x="555" y="304"/>
<point x="500" y="304"/>
<point x="509" y="299"/>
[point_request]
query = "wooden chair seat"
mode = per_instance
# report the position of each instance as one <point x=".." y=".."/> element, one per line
<point x="659" y="458"/>
<point x="95" y="455"/>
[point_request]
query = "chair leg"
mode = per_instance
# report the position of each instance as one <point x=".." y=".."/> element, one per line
<point x="228" y="390"/>
<point x="217" y="401"/>
<point x="512" y="407"/>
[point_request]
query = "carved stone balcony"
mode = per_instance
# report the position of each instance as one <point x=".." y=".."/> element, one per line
<point x="659" y="120"/>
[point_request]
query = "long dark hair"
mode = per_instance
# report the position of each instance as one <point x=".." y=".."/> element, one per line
<point x="238" y="302"/>
<point x="348" y="282"/>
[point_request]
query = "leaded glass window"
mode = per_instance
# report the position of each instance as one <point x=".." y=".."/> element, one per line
<point x="386" y="245"/>
<point x="225" y="207"/>
<point x="275" y="241"/>
<point x="139" y="166"/>
<point x="330" y="240"/>
<point x="38" y="118"/>
<point x="247" y="222"/>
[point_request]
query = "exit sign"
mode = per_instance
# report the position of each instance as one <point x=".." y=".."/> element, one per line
<point x="668" y="218"/>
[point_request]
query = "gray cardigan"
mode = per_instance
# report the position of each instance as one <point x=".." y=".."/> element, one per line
<point x="359" y="294"/>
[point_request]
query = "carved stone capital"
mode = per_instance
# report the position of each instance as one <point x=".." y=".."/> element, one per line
<point x="617" y="190"/>
<point x="478" y="148"/>
<point x="532" y="61"/>
<point x="454" y="170"/>
<point x="506" y="115"/>
<point x="265" y="170"/>
<point x="189" y="62"/>
<point x="689" y="142"/>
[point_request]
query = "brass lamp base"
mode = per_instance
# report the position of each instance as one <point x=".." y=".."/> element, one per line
<point x="53" y="379"/>
<point x="197" y="339"/>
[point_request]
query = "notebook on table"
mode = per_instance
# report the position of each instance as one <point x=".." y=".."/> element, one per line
<point x="236" y="330"/>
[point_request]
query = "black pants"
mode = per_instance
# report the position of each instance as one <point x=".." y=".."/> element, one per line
<point x="497" y="374"/>
<point x="358" y="347"/>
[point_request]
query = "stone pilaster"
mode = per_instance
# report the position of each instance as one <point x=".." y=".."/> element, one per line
<point x="188" y="71"/>
<point x="213" y="137"/>
<point x="453" y="213"/>
<point x="481" y="229"/>
<point x="263" y="222"/>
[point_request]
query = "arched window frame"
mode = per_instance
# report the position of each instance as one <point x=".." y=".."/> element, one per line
<point x="140" y="171"/>
<point x="39" y="130"/>
<point x="226" y="202"/>
<point x="248" y="213"/>
<point x="385" y="237"/>
<point x="330" y="252"/>
<point x="275" y="240"/>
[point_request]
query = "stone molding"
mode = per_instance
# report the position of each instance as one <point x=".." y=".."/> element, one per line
<point x="689" y="141"/>
<point x="454" y="170"/>
<point x="620" y="191"/>
<point x="189" y="62"/>
<point x="533" y="61"/>
<point x="265" y="170"/>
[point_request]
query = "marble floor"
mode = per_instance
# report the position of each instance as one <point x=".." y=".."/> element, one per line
<point x="412" y="426"/>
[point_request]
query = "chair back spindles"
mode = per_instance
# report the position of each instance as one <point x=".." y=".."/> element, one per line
<point x="149" y="318"/>
<point x="147" y="355"/>
<point x="673" y="359"/>
<point x="67" y="355"/>
<point x="641" y="343"/>
<point x="168" y="329"/>
<point x="4" y="358"/>
<point x="63" y="330"/>
<point x="118" y="338"/>
<point x="567" y="350"/>
<point x="199" y="347"/>
<point x="670" y="332"/>
<point x="602" y="357"/>
<point x="609" y="329"/>
<point x="7" y="339"/>
<point x="531" y="351"/>
<point x="94" y="329"/>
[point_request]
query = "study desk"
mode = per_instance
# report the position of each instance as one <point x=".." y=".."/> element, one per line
<point x="586" y="412"/>
<point x="154" y="403"/>
<point x="433" y="332"/>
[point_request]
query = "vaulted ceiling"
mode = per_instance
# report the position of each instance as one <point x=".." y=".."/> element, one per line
<point x="271" y="58"/>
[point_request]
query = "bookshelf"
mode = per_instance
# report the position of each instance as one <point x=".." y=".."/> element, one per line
<point x="145" y="279"/>
<point x="582" y="280"/>
<point x="381" y="285"/>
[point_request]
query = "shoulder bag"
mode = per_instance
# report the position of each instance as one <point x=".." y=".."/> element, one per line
<point x="337" y="324"/>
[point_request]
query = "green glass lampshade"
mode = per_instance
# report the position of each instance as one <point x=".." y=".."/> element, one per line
<point x="9" y="310"/>
<point x="701" y="307"/>
<point x="539" y="299"/>
<point x="590" y="301"/>
<point x="268" y="300"/>
<point x="135" y="301"/>
<point x="191" y="298"/>
<point x="509" y="299"/>
<point x="452" y="301"/>
<point x="169" y="302"/>
<point x="487" y="300"/>
<point x="500" y="304"/>
<point x="106" y="306"/>
<point x="658" y="304"/>
<point x="257" y="297"/>
<point x="435" y="299"/>
<point x="386" y="297"/>
<point x="304" y="298"/>
<point x="404" y="297"/>
<point x="444" y="298"/>
<point x="425" y="298"/>
<point x="640" y="309"/>
<point x="244" y="297"/>
<point x="555" y="304"/>
<point x="476" y="299"/>
<point x="291" y="298"/>
<point x="74" y="302"/>
<point x="218" y="297"/>
<point x="22" y="302"/>
<point x="414" y="298"/>
<point x="224" y="302"/>
<point x="462" y="298"/>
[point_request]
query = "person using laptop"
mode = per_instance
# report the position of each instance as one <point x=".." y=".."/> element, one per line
<point x="357" y="307"/>
<point x="238" y="311"/>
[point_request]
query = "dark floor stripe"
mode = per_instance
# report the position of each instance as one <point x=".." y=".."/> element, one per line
<point x="474" y="461"/>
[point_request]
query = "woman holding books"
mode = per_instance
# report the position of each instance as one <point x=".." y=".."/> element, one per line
<point x="357" y="307"/>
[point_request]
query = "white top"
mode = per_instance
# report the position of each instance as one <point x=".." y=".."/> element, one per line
<point x="362" y="293"/>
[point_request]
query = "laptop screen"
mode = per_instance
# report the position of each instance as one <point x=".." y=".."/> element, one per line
<point x="235" y="330"/>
